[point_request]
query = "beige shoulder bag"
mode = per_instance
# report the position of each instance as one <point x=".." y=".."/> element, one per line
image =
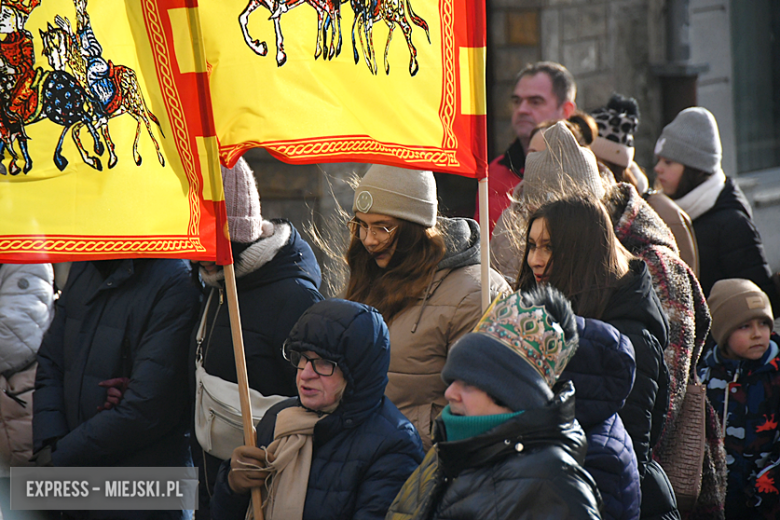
<point x="218" y="425"/>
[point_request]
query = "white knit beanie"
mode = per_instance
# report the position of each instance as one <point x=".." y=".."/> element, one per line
<point x="242" y="202"/>
<point x="397" y="192"/>
<point x="563" y="167"/>
<point x="692" y="139"/>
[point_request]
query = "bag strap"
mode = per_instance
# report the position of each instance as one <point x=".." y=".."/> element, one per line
<point x="201" y="334"/>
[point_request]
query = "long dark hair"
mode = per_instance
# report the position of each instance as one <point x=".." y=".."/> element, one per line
<point x="690" y="179"/>
<point x="587" y="261"/>
<point x="418" y="251"/>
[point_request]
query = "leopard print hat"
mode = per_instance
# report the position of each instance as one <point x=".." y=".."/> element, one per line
<point x="617" y="122"/>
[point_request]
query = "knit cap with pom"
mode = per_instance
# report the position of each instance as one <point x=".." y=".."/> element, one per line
<point x="617" y="122"/>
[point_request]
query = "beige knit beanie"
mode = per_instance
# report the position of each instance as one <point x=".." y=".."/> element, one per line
<point x="242" y="202"/>
<point x="734" y="302"/>
<point x="397" y="192"/>
<point x="562" y="168"/>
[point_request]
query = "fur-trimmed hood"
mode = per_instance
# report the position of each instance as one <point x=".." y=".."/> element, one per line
<point x="461" y="237"/>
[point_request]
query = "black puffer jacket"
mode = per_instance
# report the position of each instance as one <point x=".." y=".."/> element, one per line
<point x="133" y="323"/>
<point x="366" y="449"/>
<point x="635" y="311"/>
<point x="730" y="246"/>
<point x="529" y="467"/>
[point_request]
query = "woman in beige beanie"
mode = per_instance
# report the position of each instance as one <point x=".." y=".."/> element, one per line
<point x="422" y="274"/>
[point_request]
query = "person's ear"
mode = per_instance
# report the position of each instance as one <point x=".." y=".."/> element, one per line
<point x="568" y="108"/>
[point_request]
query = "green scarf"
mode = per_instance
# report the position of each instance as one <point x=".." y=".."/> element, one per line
<point x="461" y="427"/>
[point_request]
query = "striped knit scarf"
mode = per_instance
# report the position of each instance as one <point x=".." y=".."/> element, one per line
<point x="645" y="235"/>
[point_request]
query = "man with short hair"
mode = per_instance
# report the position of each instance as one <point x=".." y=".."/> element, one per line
<point x="543" y="91"/>
<point x="507" y="445"/>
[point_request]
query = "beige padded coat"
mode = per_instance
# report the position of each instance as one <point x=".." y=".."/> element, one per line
<point x="421" y="336"/>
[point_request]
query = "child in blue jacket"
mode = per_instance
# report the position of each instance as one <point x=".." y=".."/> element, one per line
<point x="742" y="375"/>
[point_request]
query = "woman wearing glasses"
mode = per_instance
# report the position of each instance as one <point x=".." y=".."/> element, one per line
<point x="422" y="274"/>
<point x="340" y="450"/>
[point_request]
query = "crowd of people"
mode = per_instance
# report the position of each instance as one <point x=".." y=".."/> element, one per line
<point x="612" y="296"/>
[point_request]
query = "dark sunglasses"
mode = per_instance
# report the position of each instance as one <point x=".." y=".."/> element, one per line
<point x="321" y="366"/>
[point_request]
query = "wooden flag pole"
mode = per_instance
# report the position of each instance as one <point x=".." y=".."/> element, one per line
<point x="484" y="241"/>
<point x="243" y="380"/>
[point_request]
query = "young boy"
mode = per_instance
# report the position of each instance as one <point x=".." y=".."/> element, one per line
<point x="742" y="375"/>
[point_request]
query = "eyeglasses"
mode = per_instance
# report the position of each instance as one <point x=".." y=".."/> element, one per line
<point x="321" y="366"/>
<point x="361" y="229"/>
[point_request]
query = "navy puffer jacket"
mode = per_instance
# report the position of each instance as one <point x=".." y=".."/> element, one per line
<point x="603" y="372"/>
<point x="277" y="278"/>
<point x="134" y="323"/>
<point x="366" y="449"/>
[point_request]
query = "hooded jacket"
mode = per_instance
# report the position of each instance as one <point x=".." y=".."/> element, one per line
<point x="749" y="391"/>
<point x="363" y="451"/>
<point x="422" y="335"/>
<point x="730" y="246"/>
<point x="26" y="309"/>
<point x="603" y="371"/>
<point x="529" y="467"/>
<point x="642" y="232"/>
<point x="277" y="279"/>
<point x="133" y="321"/>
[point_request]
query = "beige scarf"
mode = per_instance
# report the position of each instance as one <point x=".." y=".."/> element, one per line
<point x="289" y="477"/>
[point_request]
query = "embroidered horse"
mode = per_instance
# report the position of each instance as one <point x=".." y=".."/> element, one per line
<point x="328" y="17"/>
<point x="56" y="96"/>
<point x="369" y="12"/>
<point x="62" y="48"/>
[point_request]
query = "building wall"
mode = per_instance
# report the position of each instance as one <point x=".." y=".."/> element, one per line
<point x="711" y="44"/>
<point x="608" y="45"/>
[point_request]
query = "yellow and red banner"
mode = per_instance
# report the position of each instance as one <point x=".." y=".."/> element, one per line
<point x="107" y="138"/>
<point x="113" y="115"/>
<point x="398" y="82"/>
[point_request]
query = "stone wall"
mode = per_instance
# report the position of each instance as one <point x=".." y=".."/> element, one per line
<point x="608" y="45"/>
